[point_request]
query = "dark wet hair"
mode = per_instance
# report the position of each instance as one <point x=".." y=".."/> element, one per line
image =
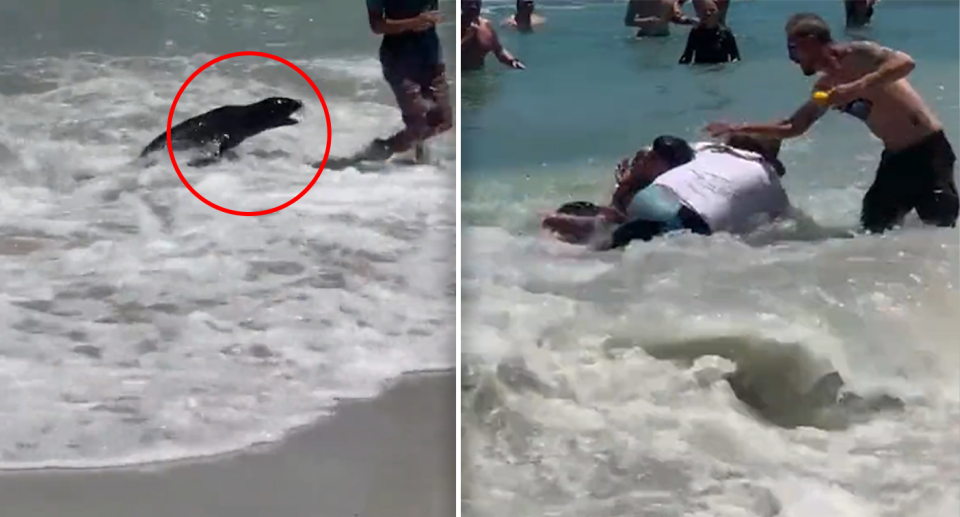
<point x="583" y="208"/>
<point x="521" y="2"/>
<point x="768" y="148"/>
<point x="809" y="25"/>
<point x="673" y="150"/>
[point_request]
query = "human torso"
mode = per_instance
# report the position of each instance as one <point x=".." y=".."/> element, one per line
<point x="660" y="9"/>
<point x="524" y="24"/>
<point x="711" y="45"/>
<point x="421" y="46"/>
<point x="475" y="50"/>
<point x="731" y="190"/>
<point x="895" y="113"/>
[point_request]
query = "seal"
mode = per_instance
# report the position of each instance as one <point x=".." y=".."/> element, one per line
<point x="221" y="129"/>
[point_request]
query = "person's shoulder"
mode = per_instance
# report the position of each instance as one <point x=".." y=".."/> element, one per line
<point x="866" y="51"/>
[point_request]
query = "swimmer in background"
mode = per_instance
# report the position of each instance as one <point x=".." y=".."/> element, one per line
<point x="478" y="38"/>
<point x="653" y="17"/>
<point x="524" y="20"/>
<point x="710" y="42"/>
<point x="859" y="12"/>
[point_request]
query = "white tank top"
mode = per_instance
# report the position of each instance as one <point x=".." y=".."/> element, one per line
<point x="732" y="190"/>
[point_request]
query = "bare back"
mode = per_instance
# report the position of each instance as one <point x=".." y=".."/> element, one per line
<point x="477" y="41"/>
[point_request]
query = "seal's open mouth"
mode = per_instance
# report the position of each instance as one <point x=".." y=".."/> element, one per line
<point x="296" y="117"/>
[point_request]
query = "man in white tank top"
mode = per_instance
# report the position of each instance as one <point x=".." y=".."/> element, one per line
<point x="733" y="187"/>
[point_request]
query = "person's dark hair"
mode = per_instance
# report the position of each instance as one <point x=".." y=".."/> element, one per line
<point x="809" y="25"/>
<point x="521" y="2"/>
<point x="768" y="148"/>
<point x="582" y="208"/>
<point x="673" y="150"/>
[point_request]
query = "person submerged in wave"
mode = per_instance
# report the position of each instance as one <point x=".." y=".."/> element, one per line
<point x="732" y="187"/>
<point x="652" y="18"/>
<point x="870" y="82"/>
<point x="478" y="38"/>
<point x="412" y="63"/>
<point x="858" y="12"/>
<point x="524" y="20"/>
<point x="710" y="42"/>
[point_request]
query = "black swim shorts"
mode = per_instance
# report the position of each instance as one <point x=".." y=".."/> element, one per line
<point x="921" y="178"/>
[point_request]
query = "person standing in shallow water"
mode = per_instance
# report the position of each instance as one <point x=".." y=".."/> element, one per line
<point x="478" y="38"/>
<point x="652" y="18"/>
<point x="524" y="20"/>
<point x="869" y="82"/>
<point x="709" y="42"/>
<point x="412" y="63"/>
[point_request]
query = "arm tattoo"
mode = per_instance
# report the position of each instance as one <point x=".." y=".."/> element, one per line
<point x="872" y="53"/>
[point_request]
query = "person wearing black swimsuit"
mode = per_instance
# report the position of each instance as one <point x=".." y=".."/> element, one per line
<point x="710" y="42"/>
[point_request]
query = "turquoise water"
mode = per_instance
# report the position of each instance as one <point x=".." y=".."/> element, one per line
<point x="592" y="94"/>
<point x="141" y="325"/>
<point x="572" y="405"/>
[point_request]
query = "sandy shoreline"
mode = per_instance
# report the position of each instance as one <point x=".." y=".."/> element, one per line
<point x="391" y="456"/>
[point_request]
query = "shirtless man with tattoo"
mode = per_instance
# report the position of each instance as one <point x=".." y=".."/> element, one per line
<point x="869" y="82"/>
<point x="653" y="17"/>
<point x="478" y="38"/>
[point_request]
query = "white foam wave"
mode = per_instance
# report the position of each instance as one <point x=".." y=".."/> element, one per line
<point x="143" y="325"/>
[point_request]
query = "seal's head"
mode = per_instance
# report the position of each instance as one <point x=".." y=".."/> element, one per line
<point x="276" y="112"/>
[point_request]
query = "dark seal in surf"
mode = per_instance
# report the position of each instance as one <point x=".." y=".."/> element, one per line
<point x="224" y="128"/>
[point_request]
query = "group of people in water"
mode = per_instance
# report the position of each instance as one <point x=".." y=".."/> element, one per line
<point x="727" y="185"/>
<point x="732" y="184"/>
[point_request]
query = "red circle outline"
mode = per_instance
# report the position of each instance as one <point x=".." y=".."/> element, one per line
<point x="326" y="113"/>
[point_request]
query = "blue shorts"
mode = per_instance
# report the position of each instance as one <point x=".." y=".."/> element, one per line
<point x="656" y="204"/>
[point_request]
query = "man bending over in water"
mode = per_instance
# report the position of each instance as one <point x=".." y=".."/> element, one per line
<point x="653" y="17"/>
<point x="477" y="39"/>
<point x="412" y="63"/>
<point x="731" y="187"/>
<point x="869" y="82"/>
<point x="524" y="20"/>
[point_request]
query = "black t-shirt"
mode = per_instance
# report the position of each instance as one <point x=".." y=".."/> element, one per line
<point x="423" y="46"/>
